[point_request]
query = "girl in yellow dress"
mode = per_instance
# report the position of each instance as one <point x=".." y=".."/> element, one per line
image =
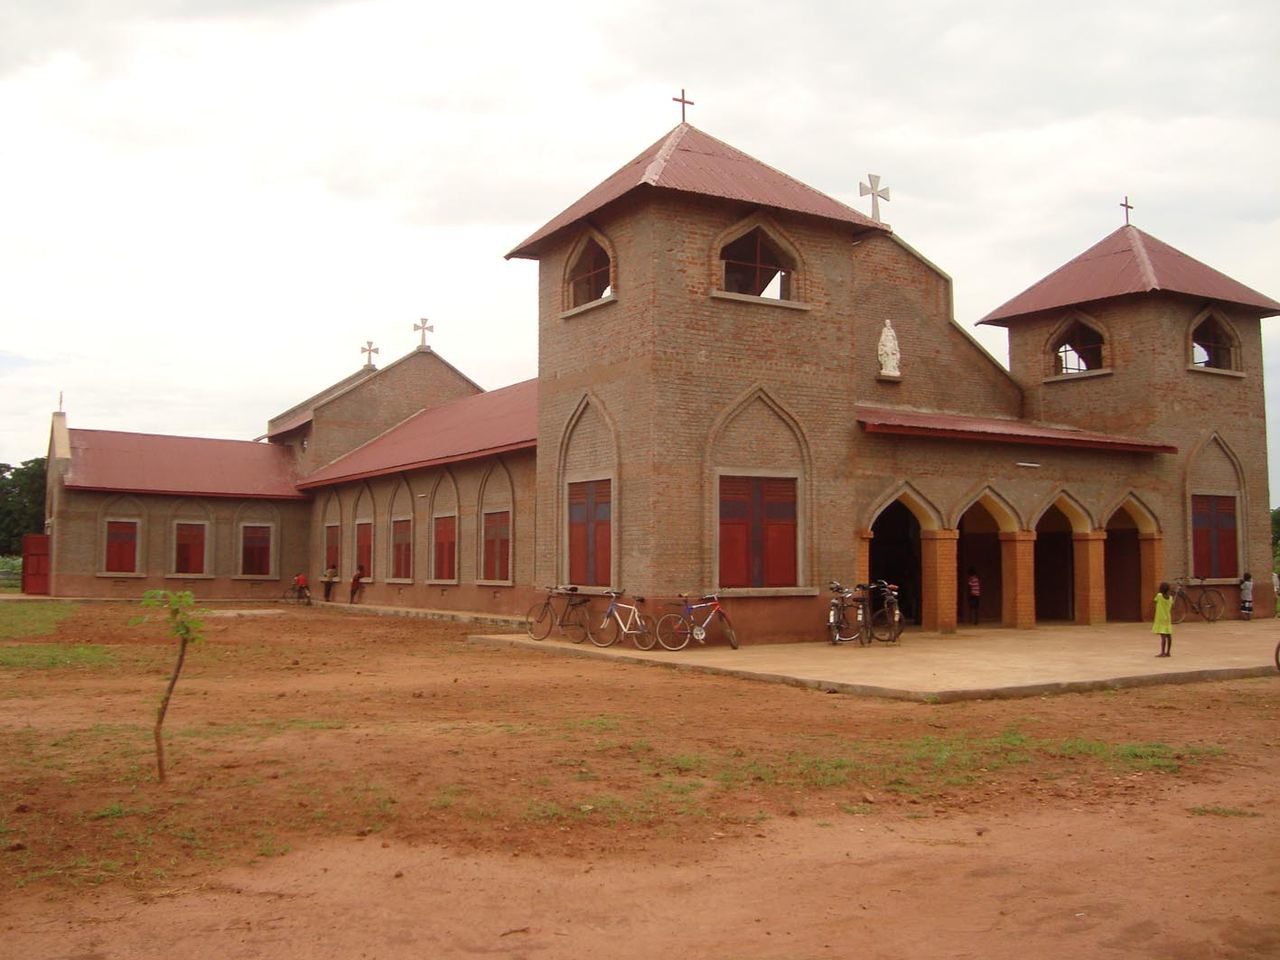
<point x="1163" y="623"/>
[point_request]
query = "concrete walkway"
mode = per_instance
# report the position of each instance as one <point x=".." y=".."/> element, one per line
<point x="974" y="663"/>
<point x="979" y="663"/>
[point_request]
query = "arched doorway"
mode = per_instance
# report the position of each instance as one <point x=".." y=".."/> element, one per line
<point x="1122" y="561"/>
<point x="979" y="550"/>
<point x="895" y="556"/>
<point x="1055" y="567"/>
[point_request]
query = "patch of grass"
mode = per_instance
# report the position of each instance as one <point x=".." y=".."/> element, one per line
<point x="1213" y="811"/>
<point x="32" y="619"/>
<point x="47" y="656"/>
<point x="110" y="812"/>
<point x="600" y="724"/>
<point x="541" y="811"/>
<point x="269" y="846"/>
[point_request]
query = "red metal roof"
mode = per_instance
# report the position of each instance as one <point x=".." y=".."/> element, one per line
<point x="191" y="466"/>
<point x="487" y="423"/>
<point x="691" y="161"/>
<point x="1128" y="261"/>
<point x="993" y="430"/>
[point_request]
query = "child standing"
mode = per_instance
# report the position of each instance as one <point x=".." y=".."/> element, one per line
<point x="1246" y="596"/>
<point x="974" y="588"/>
<point x="1163" y="623"/>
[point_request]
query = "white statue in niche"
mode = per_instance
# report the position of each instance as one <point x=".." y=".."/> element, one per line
<point x="887" y="351"/>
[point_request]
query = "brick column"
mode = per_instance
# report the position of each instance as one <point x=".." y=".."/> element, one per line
<point x="1089" y="551"/>
<point x="938" y="579"/>
<point x="1018" y="578"/>
<point x="862" y="562"/>
<point x="1151" y="565"/>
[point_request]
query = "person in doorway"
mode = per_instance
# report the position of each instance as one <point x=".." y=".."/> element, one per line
<point x="1163" y="622"/>
<point x="330" y="578"/>
<point x="973" y="590"/>
<point x="1246" y="596"/>
<point x="357" y="583"/>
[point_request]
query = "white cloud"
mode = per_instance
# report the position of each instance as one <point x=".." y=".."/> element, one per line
<point x="210" y="206"/>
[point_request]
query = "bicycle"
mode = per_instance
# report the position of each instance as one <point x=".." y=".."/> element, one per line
<point x="614" y="627"/>
<point x="570" y="617"/>
<point x="675" y="629"/>
<point x="297" y="594"/>
<point x="1208" y="603"/>
<point x="883" y="624"/>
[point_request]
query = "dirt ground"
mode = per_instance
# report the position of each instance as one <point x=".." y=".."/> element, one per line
<point x="354" y="787"/>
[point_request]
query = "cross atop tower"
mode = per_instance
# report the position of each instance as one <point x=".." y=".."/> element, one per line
<point x="425" y="328"/>
<point x="683" y="103"/>
<point x="1127" y="207"/>
<point x="368" y="350"/>
<point x="877" y="193"/>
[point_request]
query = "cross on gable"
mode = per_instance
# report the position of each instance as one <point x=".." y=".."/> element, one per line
<point x="877" y="193"/>
<point x="368" y="350"/>
<point x="425" y="328"/>
<point x="683" y="103"/>
<point x="1127" y="207"/>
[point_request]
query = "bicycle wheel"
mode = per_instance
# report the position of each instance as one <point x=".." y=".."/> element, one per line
<point x="608" y="633"/>
<point x="576" y="623"/>
<point x="882" y="626"/>
<point x="1179" y="612"/>
<point x="643" y="636"/>
<point x="674" y="632"/>
<point x="538" y="620"/>
<point x="1278" y="656"/>
<point x="1212" y="605"/>
<point x="729" y="633"/>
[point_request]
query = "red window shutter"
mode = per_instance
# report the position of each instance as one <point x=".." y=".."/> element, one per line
<point x="255" y="550"/>
<point x="497" y="546"/>
<point x="602" y="536"/>
<point x="779" y="501"/>
<point x="401" y="550"/>
<point x="758" y="532"/>
<point x="446" y="539"/>
<point x="1225" y="540"/>
<point x="735" y="531"/>
<point x="1214" y="542"/>
<point x="188" y="548"/>
<point x="332" y="546"/>
<point x="590" y="532"/>
<point x="364" y="547"/>
<point x="122" y="546"/>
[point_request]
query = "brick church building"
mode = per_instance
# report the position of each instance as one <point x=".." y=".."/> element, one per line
<point x="743" y="386"/>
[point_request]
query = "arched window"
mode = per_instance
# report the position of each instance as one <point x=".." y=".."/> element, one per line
<point x="754" y="265"/>
<point x="1078" y="349"/>
<point x="1213" y="345"/>
<point x="590" y="276"/>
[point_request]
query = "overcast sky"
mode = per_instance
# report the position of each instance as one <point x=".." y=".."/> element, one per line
<point x="208" y="206"/>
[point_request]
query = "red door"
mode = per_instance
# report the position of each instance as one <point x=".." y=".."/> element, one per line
<point x="35" y="563"/>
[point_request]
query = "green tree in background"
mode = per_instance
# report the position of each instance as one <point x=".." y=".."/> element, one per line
<point x="1275" y="538"/>
<point x="22" y="503"/>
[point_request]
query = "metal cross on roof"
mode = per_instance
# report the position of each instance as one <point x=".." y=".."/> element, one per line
<point x="425" y="328"/>
<point x="683" y="103"/>
<point x="368" y="350"/>
<point x="1127" y="207"/>
<point x="877" y="194"/>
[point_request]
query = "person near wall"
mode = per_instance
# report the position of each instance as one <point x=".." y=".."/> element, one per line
<point x="1246" y="596"/>
<point x="973" y="589"/>
<point x="301" y="588"/>
<point x="1163" y="622"/>
<point x="357" y="583"/>
<point x="329" y="579"/>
